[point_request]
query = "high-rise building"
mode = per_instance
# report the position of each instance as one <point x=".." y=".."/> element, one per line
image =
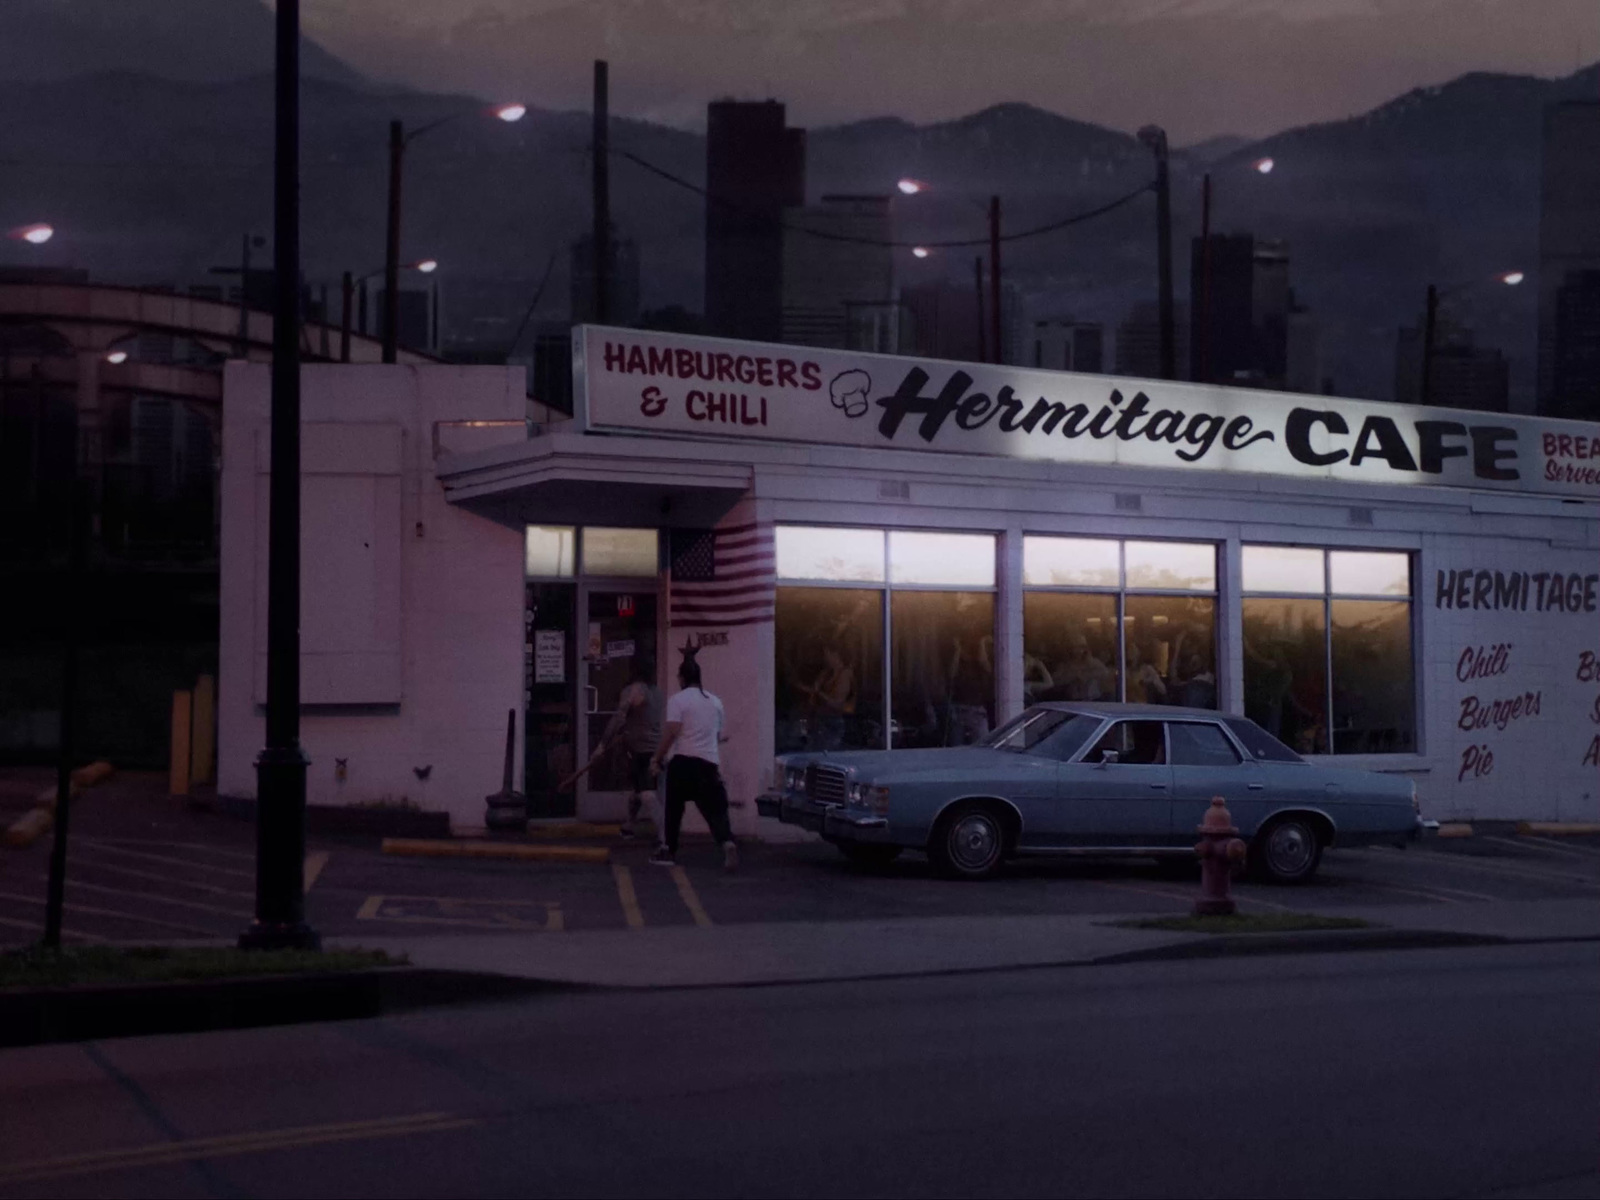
<point x="755" y="168"/>
<point x="1462" y="374"/>
<point x="838" y="275"/>
<point x="1138" y="350"/>
<point x="1063" y="344"/>
<point x="944" y="321"/>
<point x="622" y="296"/>
<point x="1569" y="234"/>
<point x="1575" y="372"/>
<point x="1240" y="300"/>
<point x="418" y="326"/>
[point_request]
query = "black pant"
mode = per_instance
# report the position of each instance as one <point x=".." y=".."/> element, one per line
<point x="697" y="780"/>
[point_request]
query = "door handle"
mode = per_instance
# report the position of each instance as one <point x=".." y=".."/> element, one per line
<point x="1160" y="787"/>
<point x="592" y="700"/>
<point x="1258" y="787"/>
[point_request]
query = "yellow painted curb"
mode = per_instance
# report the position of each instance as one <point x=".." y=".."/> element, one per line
<point x="1455" y="829"/>
<point x="517" y="851"/>
<point x="29" y="827"/>
<point x="1558" y="828"/>
<point x="83" y="777"/>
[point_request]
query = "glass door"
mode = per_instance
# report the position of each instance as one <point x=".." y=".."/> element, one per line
<point x="620" y="640"/>
<point x="550" y="659"/>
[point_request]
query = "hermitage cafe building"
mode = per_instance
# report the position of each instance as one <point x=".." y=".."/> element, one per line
<point x="876" y="551"/>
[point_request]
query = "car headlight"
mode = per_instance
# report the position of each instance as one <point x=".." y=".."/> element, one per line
<point x="794" y="779"/>
<point x="869" y="796"/>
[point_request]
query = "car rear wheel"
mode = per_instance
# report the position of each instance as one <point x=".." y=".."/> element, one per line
<point x="869" y="856"/>
<point x="1288" y="850"/>
<point x="968" y="843"/>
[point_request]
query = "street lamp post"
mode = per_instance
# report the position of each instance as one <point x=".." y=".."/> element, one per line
<point x="281" y="769"/>
<point x="399" y="139"/>
<point x="1155" y="137"/>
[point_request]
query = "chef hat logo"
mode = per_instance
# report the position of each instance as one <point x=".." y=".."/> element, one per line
<point x="849" y="391"/>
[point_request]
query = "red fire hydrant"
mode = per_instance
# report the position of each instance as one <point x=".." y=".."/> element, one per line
<point x="1219" y="850"/>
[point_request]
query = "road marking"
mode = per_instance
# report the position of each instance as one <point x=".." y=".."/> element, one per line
<point x="34" y="927"/>
<point x="1438" y="897"/>
<point x="315" y="861"/>
<point x="247" y="855"/>
<point x="690" y="900"/>
<point x="197" y="1149"/>
<point x="1175" y="897"/>
<point x="1432" y="858"/>
<point x="156" y="897"/>
<point x="463" y="913"/>
<point x="628" y="897"/>
<point x="168" y="860"/>
<point x="1547" y="846"/>
<point x="96" y="865"/>
<point x="119" y="915"/>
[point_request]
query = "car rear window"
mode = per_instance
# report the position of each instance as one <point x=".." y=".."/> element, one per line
<point x="1261" y="744"/>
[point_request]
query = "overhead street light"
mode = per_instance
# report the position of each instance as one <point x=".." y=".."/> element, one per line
<point x="1264" y="166"/>
<point x="34" y="235"/>
<point x="920" y="252"/>
<point x="117" y="357"/>
<point x="910" y="187"/>
<point x="399" y="139"/>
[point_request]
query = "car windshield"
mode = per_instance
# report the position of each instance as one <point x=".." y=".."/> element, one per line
<point x="1050" y="731"/>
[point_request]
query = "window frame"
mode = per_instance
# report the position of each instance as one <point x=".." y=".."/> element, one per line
<point x="886" y="587"/>
<point x="1122" y="591"/>
<point x="1327" y="597"/>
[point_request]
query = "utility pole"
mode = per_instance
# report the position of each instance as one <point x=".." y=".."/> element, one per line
<point x="1156" y="138"/>
<point x="242" y="350"/>
<point x="391" y="257"/>
<point x="601" y="150"/>
<point x="995" y="343"/>
<point x="977" y="274"/>
<point x="77" y="589"/>
<point x="1202" y="352"/>
<point x="281" y="769"/>
<point x="1430" y="324"/>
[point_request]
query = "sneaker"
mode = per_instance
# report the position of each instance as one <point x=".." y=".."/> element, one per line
<point x="664" y="858"/>
<point x="730" y="857"/>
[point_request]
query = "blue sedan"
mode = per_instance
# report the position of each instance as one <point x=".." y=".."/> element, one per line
<point x="1091" y="779"/>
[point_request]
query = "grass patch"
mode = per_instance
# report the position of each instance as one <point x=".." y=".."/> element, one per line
<point x="37" y="967"/>
<point x="1273" y="922"/>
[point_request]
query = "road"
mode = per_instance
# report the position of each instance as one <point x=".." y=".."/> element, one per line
<point x="1462" y="1072"/>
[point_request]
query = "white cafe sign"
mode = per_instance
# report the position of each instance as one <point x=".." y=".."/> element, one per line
<point x="631" y="380"/>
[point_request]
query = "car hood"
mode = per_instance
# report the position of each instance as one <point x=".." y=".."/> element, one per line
<point x="943" y="760"/>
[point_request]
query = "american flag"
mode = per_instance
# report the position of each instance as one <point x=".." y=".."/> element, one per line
<point x="722" y="577"/>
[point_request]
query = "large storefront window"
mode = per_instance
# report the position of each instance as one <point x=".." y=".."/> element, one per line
<point x="1104" y="619"/>
<point x="841" y="593"/>
<point x="1327" y="648"/>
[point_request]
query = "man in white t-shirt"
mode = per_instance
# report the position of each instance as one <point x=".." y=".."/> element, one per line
<point x="689" y="741"/>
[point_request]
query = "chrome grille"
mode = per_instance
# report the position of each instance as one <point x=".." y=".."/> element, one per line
<point x="825" y="785"/>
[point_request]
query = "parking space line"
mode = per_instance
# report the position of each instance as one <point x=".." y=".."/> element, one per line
<point x="226" y="852"/>
<point x="1462" y="861"/>
<point x="1437" y="896"/>
<point x="1147" y="891"/>
<point x="690" y="900"/>
<point x="121" y="916"/>
<point x="167" y="860"/>
<point x="315" y="861"/>
<point x="37" y="929"/>
<point x="628" y="897"/>
<point x="75" y="884"/>
<point x="459" y="913"/>
<point x="1547" y="846"/>
<point x="554" y="920"/>
<point x="369" y="908"/>
<point x="95" y="864"/>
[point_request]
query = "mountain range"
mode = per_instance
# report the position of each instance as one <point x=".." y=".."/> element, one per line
<point x="153" y="174"/>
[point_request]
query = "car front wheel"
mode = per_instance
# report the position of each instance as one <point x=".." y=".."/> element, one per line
<point x="969" y="843"/>
<point x="1288" y="850"/>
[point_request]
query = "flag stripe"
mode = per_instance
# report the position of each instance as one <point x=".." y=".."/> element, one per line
<point x="723" y="577"/>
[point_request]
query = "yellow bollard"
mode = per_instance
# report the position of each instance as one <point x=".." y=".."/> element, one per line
<point x="182" y="714"/>
<point x="203" y="756"/>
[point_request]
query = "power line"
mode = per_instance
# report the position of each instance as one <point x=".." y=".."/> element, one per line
<point x="828" y="235"/>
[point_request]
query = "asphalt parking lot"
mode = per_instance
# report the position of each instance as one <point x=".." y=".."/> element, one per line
<point x="144" y="868"/>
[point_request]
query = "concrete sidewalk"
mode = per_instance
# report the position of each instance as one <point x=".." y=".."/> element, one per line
<point x="793" y="952"/>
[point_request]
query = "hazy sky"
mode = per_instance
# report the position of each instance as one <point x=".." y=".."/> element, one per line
<point x="1200" y="67"/>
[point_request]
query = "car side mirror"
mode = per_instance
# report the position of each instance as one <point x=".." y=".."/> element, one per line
<point x="1109" y="758"/>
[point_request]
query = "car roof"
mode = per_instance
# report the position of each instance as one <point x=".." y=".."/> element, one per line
<point x="1107" y="708"/>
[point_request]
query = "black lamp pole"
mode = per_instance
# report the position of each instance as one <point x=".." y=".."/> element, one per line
<point x="1155" y="137"/>
<point x="391" y="257"/>
<point x="281" y="769"/>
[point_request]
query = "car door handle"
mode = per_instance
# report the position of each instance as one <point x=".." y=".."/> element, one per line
<point x="1159" y="786"/>
<point x="1258" y="787"/>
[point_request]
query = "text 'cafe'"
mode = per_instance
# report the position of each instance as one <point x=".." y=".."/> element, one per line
<point x="880" y="552"/>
